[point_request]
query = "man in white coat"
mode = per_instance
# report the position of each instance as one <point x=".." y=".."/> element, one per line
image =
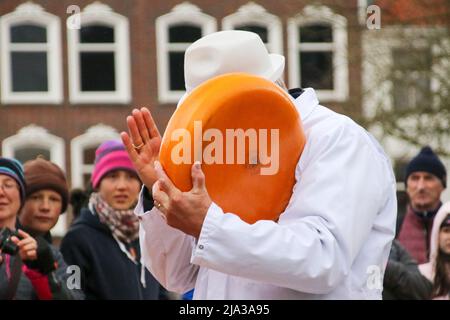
<point x="331" y="242"/>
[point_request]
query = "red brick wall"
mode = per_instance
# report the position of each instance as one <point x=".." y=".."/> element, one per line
<point x="68" y="120"/>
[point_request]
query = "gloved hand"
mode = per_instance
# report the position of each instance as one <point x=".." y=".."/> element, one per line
<point x="45" y="262"/>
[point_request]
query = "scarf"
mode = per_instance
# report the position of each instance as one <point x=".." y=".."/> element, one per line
<point x="123" y="224"/>
<point x="415" y="233"/>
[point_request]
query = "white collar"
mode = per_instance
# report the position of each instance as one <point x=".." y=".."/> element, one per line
<point x="306" y="102"/>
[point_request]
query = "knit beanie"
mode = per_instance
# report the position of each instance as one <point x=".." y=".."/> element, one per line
<point x="14" y="169"/>
<point x="42" y="174"/>
<point x="109" y="156"/>
<point x="427" y="161"/>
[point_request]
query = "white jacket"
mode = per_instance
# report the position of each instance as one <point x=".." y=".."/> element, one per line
<point x="331" y="242"/>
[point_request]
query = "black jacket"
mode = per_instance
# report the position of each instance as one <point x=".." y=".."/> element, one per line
<point x="106" y="271"/>
<point x="402" y="278"/>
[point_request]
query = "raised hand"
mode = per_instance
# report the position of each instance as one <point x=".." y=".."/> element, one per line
<point x="143" y="143"/>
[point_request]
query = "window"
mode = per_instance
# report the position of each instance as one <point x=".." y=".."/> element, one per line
<point x="179" y="35"/>
<point x="262" y="32"/>
<point x="316" y="67"/>
<point x="30" y="153"/>
<point x="83" y="153"/>
<point x="89" y="159"/>
<point x="99" y="58"/>
<point x="30" y="142"/>
<point x="175" y="31"/>
<point x="30" y="56"/>
<point x="411" y="78"/>
<point x="253" y="17"/>
<point x="318" y="52"/>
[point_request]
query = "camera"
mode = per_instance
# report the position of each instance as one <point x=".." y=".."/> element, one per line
<point x="6" y="244"/>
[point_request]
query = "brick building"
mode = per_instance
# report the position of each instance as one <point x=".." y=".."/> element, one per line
<point x="72" y="70"/>
<point x="405" y="82"/>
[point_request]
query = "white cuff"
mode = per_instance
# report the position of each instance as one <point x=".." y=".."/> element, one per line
<point x="212" y="220"/>
<point x="139" y="209"/>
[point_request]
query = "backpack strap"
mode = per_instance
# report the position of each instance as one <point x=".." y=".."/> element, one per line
<point x="16" y="272"/>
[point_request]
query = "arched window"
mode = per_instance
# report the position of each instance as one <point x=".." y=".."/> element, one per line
<point x="99" y="57"/>
<point x="83" y="152"/>
<point x="318" y="52"/>
<point x="175" y="31"/>
<point x="30" y="55"/>
<point x="253" y="17"/>
<point x="32" y="141"/>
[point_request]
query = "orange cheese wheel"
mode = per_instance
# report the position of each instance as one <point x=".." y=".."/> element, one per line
<point x="234" y="124"/>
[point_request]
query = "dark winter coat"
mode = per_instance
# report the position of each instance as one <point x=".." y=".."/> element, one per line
<point x="106" y="271"/>
<point x="402" y="278"/>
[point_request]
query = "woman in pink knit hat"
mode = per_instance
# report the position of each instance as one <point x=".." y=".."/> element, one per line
<point x="104" y="239"/>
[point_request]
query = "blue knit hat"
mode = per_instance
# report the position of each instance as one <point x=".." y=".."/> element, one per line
<point x="14" y="169"/>
<point x="427" y="161"/>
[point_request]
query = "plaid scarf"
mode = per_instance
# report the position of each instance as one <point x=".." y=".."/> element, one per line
<point x="123" y="224"/>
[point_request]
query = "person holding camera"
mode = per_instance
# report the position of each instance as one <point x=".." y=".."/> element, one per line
<point x="27" y="263"/>
<point x="47" y="197"/>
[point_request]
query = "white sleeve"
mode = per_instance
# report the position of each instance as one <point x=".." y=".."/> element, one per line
<point x="166" y="251"/>
<point x="341" y="188"/>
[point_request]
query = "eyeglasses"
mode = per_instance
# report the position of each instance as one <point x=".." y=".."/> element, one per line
<point x="9" y="186"/>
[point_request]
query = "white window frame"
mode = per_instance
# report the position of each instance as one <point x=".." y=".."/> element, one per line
<point x="254" y="14"/>
<point x="30" y="13"/>
<point x="35" y="136"/>
<point x="320" y="14"/>
<point x="362" y="11"/>
<point x="184" y="13"/>
<point x="98" y="13"/>
<point x="93" y="137"/>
